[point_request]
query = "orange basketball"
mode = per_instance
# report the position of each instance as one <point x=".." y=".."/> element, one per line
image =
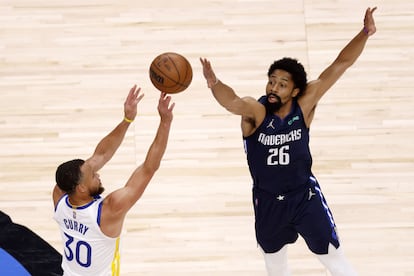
<point x="171" y="73"/>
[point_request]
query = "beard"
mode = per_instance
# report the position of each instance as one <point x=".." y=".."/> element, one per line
<point x="273" y="107"/>
<point x="97" y="192"/>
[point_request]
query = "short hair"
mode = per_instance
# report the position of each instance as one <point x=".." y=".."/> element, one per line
<point x="68" y="175"/>
<point x="293" y="67"/>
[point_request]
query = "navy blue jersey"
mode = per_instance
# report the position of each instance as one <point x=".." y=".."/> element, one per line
<point x="278" y="152"/>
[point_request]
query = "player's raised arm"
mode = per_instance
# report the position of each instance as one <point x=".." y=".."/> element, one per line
<point x="117" y="204"/>
<point x="249" y="108"/>
<point x="105" y="148"/>
<point x="346" y="58"/>
<point x="110" y="143"/>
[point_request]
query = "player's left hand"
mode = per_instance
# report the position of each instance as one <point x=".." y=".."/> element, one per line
<point x="208" y="72"/>
<point x="369" y="23"/>
<point x="131" y="102"/>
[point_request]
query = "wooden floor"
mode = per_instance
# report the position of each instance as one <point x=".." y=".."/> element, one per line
<point x="66" y="67"/>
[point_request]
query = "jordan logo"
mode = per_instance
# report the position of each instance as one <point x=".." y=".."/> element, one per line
<point x="271" y="124"/>
<point x="310" y="194"/>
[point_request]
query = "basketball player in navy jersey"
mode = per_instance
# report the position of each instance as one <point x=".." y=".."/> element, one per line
<point x="287" y="199"/>
<point x="91" y="225"/>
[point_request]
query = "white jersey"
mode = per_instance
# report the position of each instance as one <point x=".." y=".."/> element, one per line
<point x="87" y="251"/>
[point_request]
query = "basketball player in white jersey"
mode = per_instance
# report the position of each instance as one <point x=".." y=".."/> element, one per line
<point x="91" y="225"/>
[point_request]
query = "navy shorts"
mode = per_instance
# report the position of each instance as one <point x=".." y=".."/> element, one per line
<point x="279" y="219"/>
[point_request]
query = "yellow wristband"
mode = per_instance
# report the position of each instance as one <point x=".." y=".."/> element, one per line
<point x="128" y="120"/>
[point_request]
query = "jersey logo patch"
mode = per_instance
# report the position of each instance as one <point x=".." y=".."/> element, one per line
<point x="291" y="121"/>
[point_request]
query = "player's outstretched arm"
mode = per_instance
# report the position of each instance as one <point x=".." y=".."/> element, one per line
<point x="225" y="95"/>
<point x="349" y="54"/>
<point x="110" y="143"/>
<point x="117" y="204"/>
<point x="346" y="58"/>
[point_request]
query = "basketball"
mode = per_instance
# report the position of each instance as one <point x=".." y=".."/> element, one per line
<point x="171" y="73"/>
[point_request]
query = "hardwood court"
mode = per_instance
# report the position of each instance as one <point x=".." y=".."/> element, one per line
<point x="66" y="67"/>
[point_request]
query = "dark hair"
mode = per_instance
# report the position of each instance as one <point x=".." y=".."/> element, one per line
<point x="68" y="175"/>
<point x="293" y="67"/>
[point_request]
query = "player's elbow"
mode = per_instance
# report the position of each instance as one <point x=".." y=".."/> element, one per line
<point x="150" y="167"/>
<point x="231" y="109"/>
